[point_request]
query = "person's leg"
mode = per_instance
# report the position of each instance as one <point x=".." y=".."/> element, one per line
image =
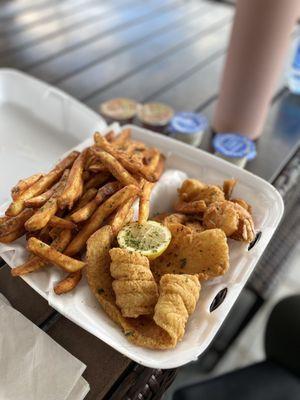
<point x="282" y="337"/>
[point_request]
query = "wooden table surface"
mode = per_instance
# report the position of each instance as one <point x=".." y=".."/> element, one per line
<point x="164" y="50"/>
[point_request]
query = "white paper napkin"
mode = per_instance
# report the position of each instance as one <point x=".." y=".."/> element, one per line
<point x="32" y="365"/>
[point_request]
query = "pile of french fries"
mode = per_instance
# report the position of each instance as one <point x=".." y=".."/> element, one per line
<point x="60" y="210"/>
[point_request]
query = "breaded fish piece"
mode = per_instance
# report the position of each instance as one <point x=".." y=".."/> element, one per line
<point x="178" y="296"/>
<point x="232" y="218"/>
<point x="195" y="190"/>
<point x="204" y="254"/>
<point x="134" y="285"/>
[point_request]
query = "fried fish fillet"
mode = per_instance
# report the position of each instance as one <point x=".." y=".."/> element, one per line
<point x="232" y="218"/>
<point x="134" y="286"/>
<point x="204" y="254"/>
<point x="178" y="296"/>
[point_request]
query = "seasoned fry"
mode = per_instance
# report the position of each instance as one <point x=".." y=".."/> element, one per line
<point x="144" y="202"/>
<point x="85" y="212"/>
<point x="4" y="218"/>
<point x="97" y="180"/>
<point x="36" y="263"/>
<point x="48" y="253"/>
<point x="74" y="186"/>
<point x="41" y="185"/>
<point x="14" y="223"/>
<point x="86" y="176"/>
<point x="97" y="166"/>
<point x="61" y="223"/>
<point x="191" y="207"/>
<point x="43" y="235"/>
<point x="150" y="161"/>
<point x="69" y="283"/>
<point x="23" y="185"/>
<point x="110" y="136"/>
<point x="122" y="216"/>
<point x="128" y="161"/>
<point x="115" y="168"/>
<point x="159" y="169"/>
<point x="43" y="215"/>
<point x="122" y="137"/>
<point x="228" y="186"/>
<point x="11" y="237"/>
<point x="102" y="212"/>
<point x="86" y="197"/>
<point x="40" y="200"/>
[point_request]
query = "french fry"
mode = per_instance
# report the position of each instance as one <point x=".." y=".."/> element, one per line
<point x="122" y="137"/>
<point x="86" y="197"/>
<point x="44" y="235"/>
<point x="123" y="215"/>
<point x="43" y="215"/>
<point x="110" y="136"/>
<point x="97" y="166"/>
<point x="151" y="161"/>
<point x="36" y="263"/>
<point x="228" y="186"/>
<point x="49" y="254"/>
<point x="115" y="168"/>
<point x="11" y="237"/>
<point x="86" y="176"/>
<point x="14" y="223"/>
<point x="97" y="180"/>
<point x="74" y="186"/>
<point x="23" y="185"/>
<point x="61" y="223"/>
<point x="159" y="168"/>
<point x="40" y="200"/>
<point x="191" y="207"/>
<point x="3" y="218"/>
<point x="85" y="212"/>
<point x="145" y="201"/>
<point x="41" y="185"/>
<point x="69" y="283"/>
<point x="102" y="212"/>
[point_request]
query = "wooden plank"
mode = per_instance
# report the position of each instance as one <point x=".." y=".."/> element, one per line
<point x="23" y="298"/>
<point x="104" y="364"/>
<point x="10" y="9"/>
<point x="75" y="18"/>
<point x="65" y="65"/>
<point x="25" y="20"/>
<point x="202" y="58"/>
<point x="45" y="50"/>
<point x="99" y="77"/>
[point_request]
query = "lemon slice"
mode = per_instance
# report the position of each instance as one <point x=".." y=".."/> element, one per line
<point x="150" y="238"/>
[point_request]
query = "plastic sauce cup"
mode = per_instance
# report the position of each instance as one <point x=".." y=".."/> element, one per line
<point x="120" y="109"/>
<point x="188" y="127"/>
<point x="155" y="114"/>
<point x="234" y="148"/>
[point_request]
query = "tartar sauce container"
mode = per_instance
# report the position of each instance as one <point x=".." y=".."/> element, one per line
<point x="119" y="109"/>
<point x="188" y="127"/>
<point x="155" y="114"/>
<point x="234" y="148"/>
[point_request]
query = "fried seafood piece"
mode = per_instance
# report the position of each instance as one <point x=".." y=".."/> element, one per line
<point x="178" y="296"/>
<point x="203" y="254"/>
<point x="232" y="218"/>
<point x="194" y="190"/>
<point x="134" y="286"/>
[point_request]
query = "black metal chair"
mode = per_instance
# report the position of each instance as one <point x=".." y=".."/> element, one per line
<point x="276" y="378"/>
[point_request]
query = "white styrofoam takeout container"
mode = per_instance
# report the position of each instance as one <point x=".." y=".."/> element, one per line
<point x="43" y="122"/>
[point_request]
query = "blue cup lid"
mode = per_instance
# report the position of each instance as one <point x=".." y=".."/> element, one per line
<point x="234" y="145"/>
<point x="188" y="122"/>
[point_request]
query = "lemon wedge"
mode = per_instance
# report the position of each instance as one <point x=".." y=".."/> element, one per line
<point x="150" y="238"/>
